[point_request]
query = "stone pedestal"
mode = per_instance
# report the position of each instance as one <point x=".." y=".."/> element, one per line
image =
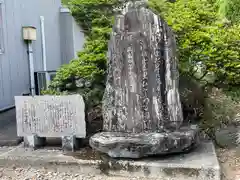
<point x="69" y="143"/>
<point x="138" y="145"/>
<point x="34" y="141"/>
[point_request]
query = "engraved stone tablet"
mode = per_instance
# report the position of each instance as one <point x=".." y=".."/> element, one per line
<point x="50" y="116"/>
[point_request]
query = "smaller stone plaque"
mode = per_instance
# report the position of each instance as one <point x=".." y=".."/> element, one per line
<point x="50" y="116"/>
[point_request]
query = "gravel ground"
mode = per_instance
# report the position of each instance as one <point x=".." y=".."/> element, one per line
<point x="230" y="162"/>
<point x="16" y="173"/>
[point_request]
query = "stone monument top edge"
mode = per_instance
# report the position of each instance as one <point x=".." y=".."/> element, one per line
<point x="130" y="5"/>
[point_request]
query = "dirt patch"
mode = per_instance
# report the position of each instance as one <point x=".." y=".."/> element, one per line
<point x="230" y="163"/>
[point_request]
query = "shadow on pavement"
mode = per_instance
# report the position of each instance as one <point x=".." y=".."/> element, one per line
<point x="8" y="129"/>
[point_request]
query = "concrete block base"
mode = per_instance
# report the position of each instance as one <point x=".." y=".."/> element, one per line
<point x="69" y="143"/>
<point x="201" y="164"/>
<point x="34" y="141"/>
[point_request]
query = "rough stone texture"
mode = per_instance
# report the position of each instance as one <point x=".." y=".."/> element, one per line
<point x="141" y="103"/>
<point x="142" y="85"/>
<point x="50" y="116"/>
<point x="138" y="145"/>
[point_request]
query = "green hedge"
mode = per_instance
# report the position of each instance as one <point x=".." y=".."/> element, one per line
<point x="86" y="74"/>
<point x="230" y="9"/>
<point x="202" y="37"/>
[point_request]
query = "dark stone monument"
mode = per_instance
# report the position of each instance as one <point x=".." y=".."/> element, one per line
<point x="141" y="107"/>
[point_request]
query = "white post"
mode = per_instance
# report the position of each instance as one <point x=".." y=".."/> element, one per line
<point x="31" y="67"/>
<point x="44" y="50"/>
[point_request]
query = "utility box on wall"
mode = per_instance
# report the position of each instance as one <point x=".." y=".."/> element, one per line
<point x="29" y="33"/>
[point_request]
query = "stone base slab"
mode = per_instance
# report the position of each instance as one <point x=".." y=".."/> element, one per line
<point x="138" y="145"/>
<point x="200" y="164"/>
<point x="69" y="143"/>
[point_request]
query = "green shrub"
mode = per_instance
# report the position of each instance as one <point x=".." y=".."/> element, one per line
<point x="202" y="38"/>
<point x="86" y="74"/>
<point x="221" y="111"/>
<point x="230" y="9"/>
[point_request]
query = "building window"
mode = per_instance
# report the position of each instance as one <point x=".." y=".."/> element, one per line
<point x="1" y="27"/>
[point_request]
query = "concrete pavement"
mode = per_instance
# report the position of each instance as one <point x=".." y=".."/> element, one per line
<point x="8" y="129"/>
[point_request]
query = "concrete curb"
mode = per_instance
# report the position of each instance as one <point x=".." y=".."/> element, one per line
<point x="19" y="156"/>
<point x="7" y="109"/>
<point x="11" y="142"/>
<point x="199" y="165"/>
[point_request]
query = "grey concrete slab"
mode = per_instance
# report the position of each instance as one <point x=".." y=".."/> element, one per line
<point x="201" y="164"/>
<point x="48" y="158"/>
<point x="8" y="129"/>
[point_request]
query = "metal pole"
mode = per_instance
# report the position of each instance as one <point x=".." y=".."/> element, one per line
<point x="31" y="67"/>
<point x="44" y="51"/>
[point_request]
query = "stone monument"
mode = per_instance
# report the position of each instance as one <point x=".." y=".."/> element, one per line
<point x="41" y="117"/>
<point x="141" y="106"/>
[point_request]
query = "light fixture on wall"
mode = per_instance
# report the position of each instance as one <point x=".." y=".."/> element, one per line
<point x="29" y="35"/>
